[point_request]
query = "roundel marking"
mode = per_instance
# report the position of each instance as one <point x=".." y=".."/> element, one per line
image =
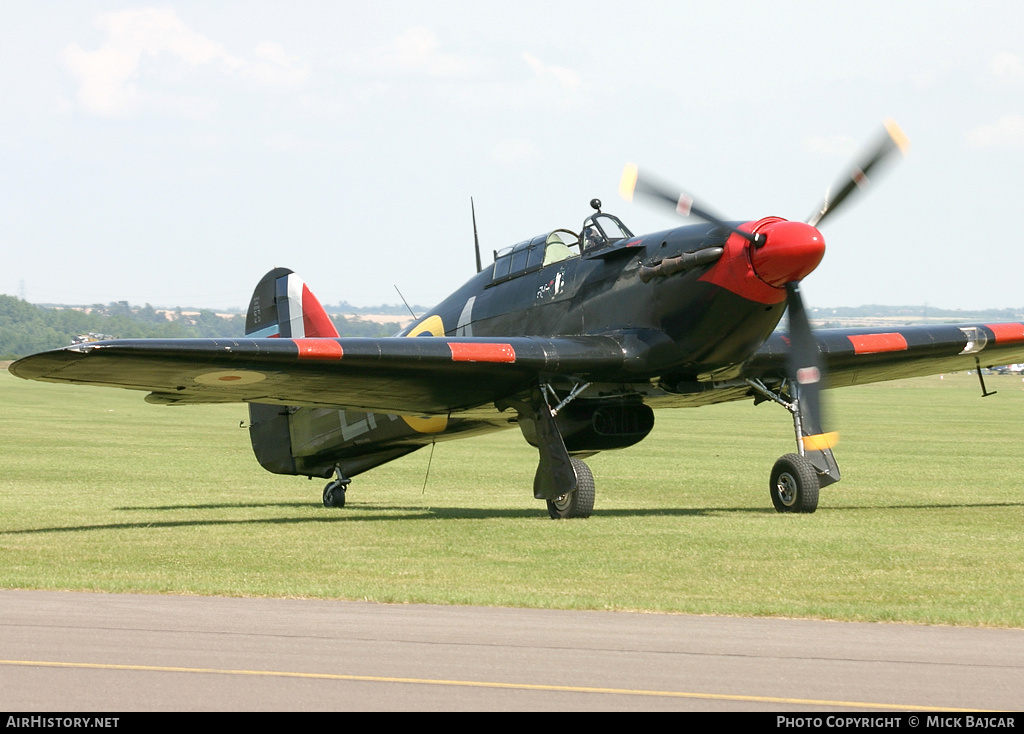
<point x="431" y="326"/>
<point x="229" y="378"/>
<point x="426" y="423"/>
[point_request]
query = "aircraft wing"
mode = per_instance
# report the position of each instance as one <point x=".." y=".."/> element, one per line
<point x="859" y="356"/>
<point x="426" y="375"/>
<point x="436" y="375"/>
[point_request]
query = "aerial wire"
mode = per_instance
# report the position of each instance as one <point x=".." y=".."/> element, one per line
<point x="414" y="316"/>
<point x="430" y="460"/>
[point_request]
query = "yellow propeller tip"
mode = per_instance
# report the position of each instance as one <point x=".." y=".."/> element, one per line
<point x="897" y="135"/>
<point x="627" y="184"/>
<point x="821" y="441"/>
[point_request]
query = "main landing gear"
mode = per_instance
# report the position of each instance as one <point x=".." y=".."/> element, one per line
<point x="797" y="478"/>
<point x="334" y="492"/>
<point x="794" y="484"/>
<point x="564" y="482"/>
<point x="578" y="502"/>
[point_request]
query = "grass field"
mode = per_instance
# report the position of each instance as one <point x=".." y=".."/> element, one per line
<point x="100" y="491"/>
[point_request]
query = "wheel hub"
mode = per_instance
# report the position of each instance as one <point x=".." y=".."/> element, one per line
<point x="562" y="501"/>
<point x="786" y="489"/>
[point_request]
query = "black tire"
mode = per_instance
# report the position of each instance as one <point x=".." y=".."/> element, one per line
<point x="794" y="484"/>
<point x="580" y="502"/>
<point x="334" y="495"/>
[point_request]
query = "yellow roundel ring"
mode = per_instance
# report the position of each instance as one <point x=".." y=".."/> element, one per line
<point x="431" y="325"/>
<point x="229" y="378"/>
<point x="430" y="423"/>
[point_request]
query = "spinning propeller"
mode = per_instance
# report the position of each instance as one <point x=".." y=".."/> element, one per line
<point x="781" y="255"/>
<point x="890" y="142"/>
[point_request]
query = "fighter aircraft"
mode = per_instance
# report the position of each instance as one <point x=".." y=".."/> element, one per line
<point x="573" y="336"/>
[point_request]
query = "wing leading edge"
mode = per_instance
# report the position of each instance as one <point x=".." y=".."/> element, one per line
<point x="861" y="356"/>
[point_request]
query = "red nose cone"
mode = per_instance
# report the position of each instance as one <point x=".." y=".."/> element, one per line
<point x="792" y="250"/>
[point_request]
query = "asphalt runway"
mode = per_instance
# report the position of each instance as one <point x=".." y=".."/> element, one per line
<point x="79" y="652"/>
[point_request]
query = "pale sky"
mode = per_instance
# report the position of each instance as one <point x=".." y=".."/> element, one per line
<point x="172" y="153"/>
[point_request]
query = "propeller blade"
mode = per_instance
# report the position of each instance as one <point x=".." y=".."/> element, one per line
<point x="892" y="141"/>
<point x="806" y="369"/>
<point x="683" y="204"/>
<point x="784" y="261"/>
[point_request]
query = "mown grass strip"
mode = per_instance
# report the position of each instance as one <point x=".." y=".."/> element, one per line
<point x="101" y="491"/>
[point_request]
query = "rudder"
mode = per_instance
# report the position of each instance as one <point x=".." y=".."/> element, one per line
<point x="283" y="306"/>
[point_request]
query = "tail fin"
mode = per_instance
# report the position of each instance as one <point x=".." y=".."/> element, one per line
<point x="283" y="306"/>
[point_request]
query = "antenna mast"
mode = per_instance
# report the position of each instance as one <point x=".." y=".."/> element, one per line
<point x="476" y="239"/>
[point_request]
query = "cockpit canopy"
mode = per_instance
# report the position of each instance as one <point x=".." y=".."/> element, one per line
<point x="598" y="230"/>
<point x="603" y="229"/>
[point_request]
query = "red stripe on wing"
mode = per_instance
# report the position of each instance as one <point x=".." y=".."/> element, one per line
<point x="876" y="343"/>
<point x="318" y="349"/>
<point x="1007" y="332"/>
<point x="477" y="352"/>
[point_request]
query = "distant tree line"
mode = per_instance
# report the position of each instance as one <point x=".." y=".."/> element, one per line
<point x="26" y="328"/>
<point x="385" y="309"/>
<point x="918" y="312"/>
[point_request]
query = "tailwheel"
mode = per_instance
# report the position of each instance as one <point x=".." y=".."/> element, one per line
<point x="334" y="493"/>
<point x="794" y="484"/>
<point x="578" y="502"/>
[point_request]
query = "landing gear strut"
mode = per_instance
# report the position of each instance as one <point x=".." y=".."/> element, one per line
<point x="564" y="482"/>
<point x="796" y="478"/>
<point x="334" y="492"/>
